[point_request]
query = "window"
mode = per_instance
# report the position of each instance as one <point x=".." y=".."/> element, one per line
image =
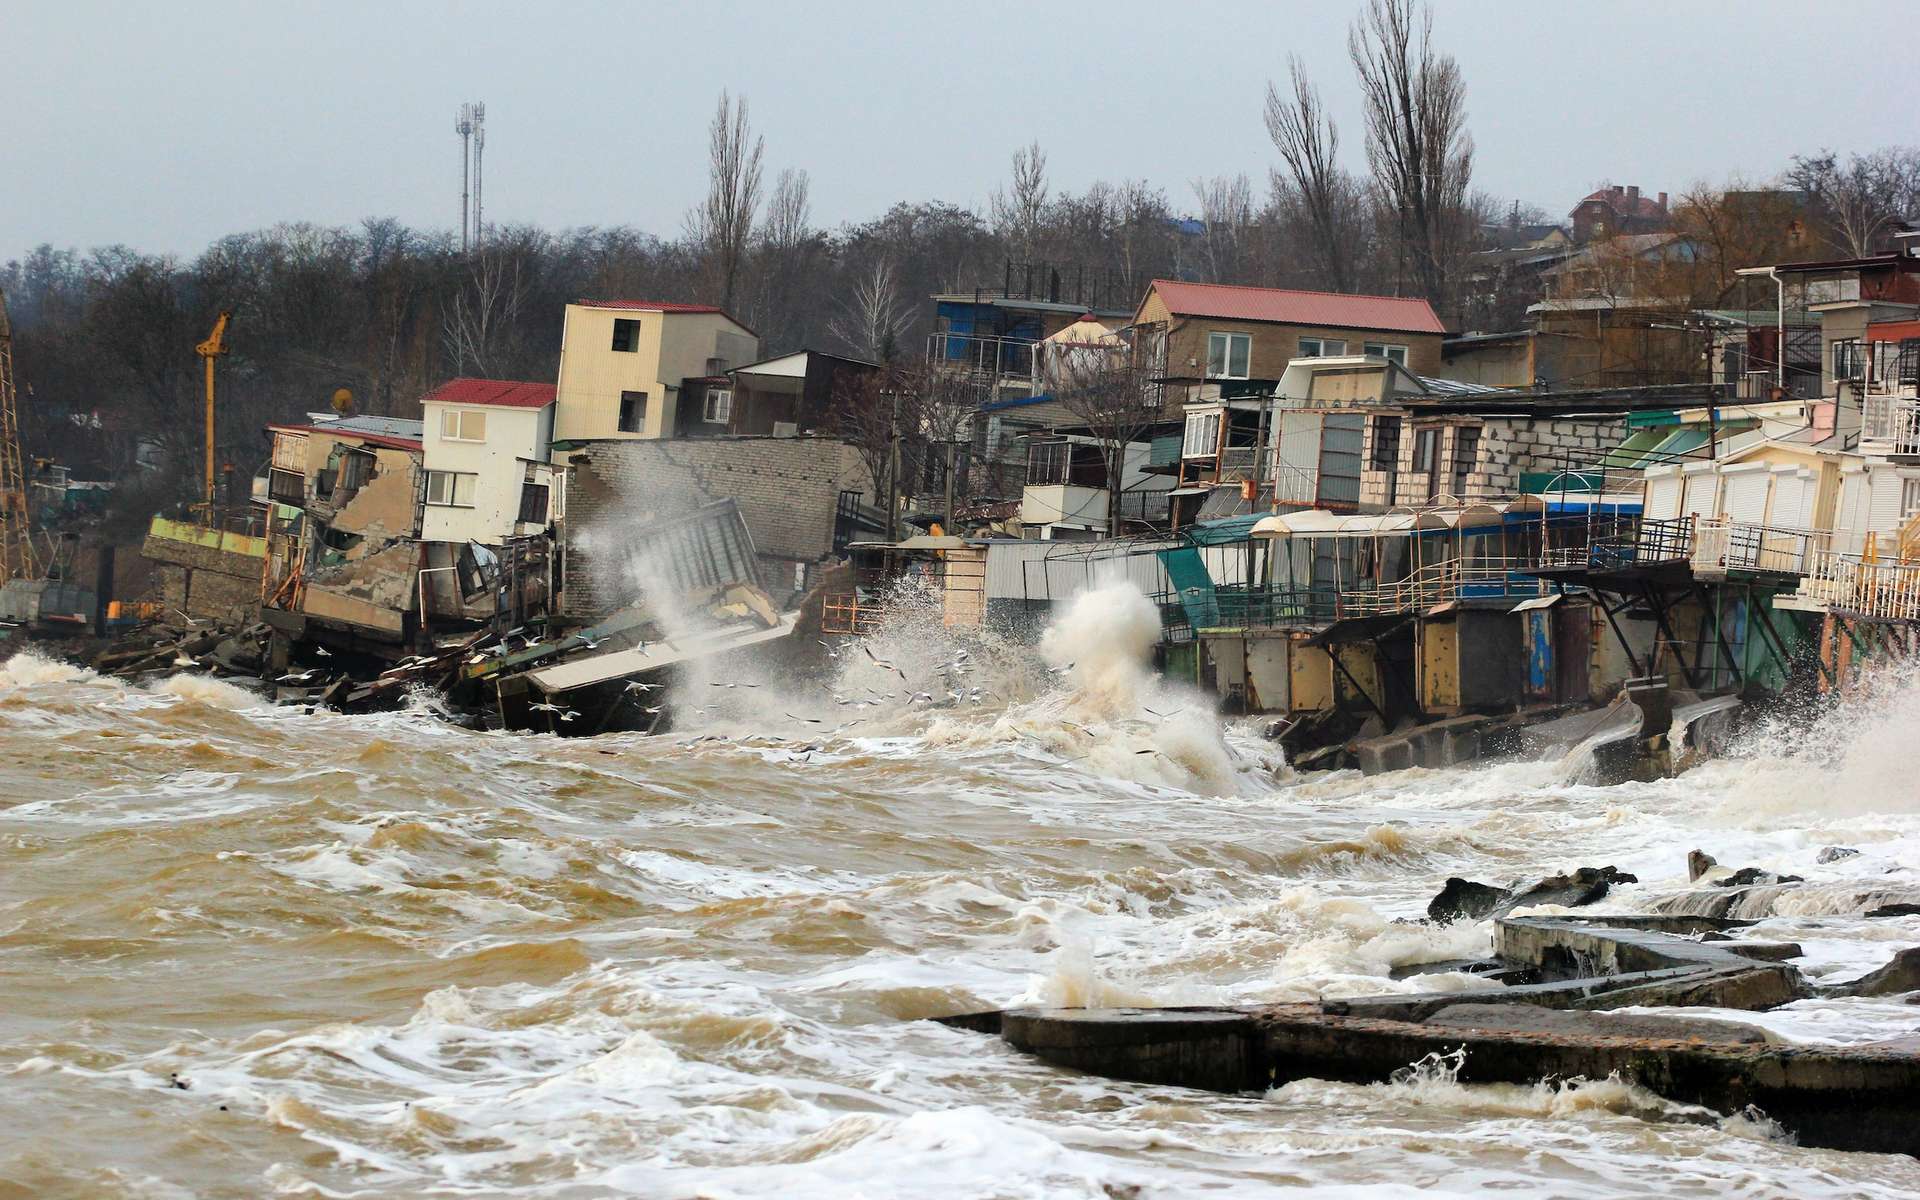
<point x="719" y="405"/>
<point x="1228" y="355"/>
<point x="1322" y="347"/>
<point x="1047" y="463"/>
<point x="533" y="504"/>
<point x="633" y="412"/>
<point x="1386" y="443"/>
<point x="626" y="335"/>
<point x="1389" y="351"/>
<point x="451" y="488"/>
<point x="1424" y="441"/>
<point x="462" y="425"/>
<point x="1848" y="362"/>
<point x="1203" y="434"/>
<point x="286" y="487"/>
<point x="1466" y="447"/>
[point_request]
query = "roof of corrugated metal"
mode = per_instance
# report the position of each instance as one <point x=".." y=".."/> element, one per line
<point x="491" y="393"/>
<point x="1405" y="314"/>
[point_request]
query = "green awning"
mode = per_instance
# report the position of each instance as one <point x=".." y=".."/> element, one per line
<point x="1224" y="531"/>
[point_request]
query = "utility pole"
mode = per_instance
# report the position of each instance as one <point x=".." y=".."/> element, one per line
<point x="893" y="464"/>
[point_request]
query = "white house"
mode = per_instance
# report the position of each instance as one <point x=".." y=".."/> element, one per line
<point x="486" y="460"/>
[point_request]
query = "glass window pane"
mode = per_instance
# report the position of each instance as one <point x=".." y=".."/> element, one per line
<point x="1216" y="354"/>
<point x="1240" y="349"/>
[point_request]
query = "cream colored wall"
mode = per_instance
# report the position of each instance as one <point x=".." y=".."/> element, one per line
<point x="593" y="374"/>
<point x="672" y="347"/>
<point x="513" y="434"/>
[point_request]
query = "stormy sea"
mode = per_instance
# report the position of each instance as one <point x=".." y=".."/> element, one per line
<point x="253" y="951"/>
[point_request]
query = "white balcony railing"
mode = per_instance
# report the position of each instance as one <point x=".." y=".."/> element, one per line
<point x="1890" y="590"/>
<point x="1890" y="424"/>
<point x="1720" y="546"/>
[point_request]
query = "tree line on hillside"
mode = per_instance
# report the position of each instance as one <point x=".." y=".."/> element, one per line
<point x="104" y="339"/>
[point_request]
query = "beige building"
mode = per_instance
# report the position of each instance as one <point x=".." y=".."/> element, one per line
<point x="641" y="369"/>
<point x="1243" y="338"/>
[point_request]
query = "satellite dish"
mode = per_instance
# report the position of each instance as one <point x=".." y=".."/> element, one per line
<point x="342" y="401"/>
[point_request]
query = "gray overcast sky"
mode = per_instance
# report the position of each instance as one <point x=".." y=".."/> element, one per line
<point x="166" y="125"/>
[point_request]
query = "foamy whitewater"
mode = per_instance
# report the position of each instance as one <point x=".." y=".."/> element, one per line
<point x="249" y="951"/>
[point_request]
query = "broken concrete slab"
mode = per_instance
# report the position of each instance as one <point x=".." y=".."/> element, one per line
<point x="1853" y="1098"/>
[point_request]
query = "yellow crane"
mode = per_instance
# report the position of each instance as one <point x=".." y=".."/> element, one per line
<point x="16" y="538"/>
<point x="212" y="348"/>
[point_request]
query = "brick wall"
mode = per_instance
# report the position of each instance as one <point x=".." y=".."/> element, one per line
<point x="787" y="490"/>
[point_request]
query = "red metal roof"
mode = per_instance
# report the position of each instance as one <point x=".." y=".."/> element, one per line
<point x="1280" y="306"/>
<point x="494" y="393"/>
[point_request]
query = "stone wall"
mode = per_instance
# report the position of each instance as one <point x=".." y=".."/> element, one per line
<point x="787" y="489"/>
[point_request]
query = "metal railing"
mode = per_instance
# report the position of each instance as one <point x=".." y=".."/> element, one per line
<point x="1889" y="590"/>
<point x="1441" y="582"/>
<point x="1721" y="545"/>
<point x="1644" y="543"/>
<point x="999" y="357"/>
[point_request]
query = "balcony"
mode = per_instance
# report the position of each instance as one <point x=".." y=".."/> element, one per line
<point x="1720" y="546"/>
<point x="1838" y="583"/>
<point x="1064" y="504"/>
<point x="1890" y="425"/>
<point x="996" y="359"/>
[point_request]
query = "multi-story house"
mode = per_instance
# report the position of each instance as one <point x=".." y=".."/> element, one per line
<point x="486" y="444"/>
<point x="647" y="369"/>
<point x="1239" y="340"/>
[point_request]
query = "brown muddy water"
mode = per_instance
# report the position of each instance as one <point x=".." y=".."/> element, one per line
<point x="248" y="951"/>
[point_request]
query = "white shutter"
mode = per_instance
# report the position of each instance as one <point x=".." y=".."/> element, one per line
<point x="1701" y="486"/>
<point x="1744" y="497"/>
<point x="1850" y="513"/>
<point x="1883" y="505"/>
<point x="1791" y="507"/>
<point x="1663" y="497"/>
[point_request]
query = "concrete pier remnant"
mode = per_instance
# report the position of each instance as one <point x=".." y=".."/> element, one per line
<point x="1550" y="1025"/>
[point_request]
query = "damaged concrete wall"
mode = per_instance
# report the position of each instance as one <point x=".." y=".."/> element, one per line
<point x="788" y="490"/>
<point x="386" y="507"/>
<point x="375" y="592"/>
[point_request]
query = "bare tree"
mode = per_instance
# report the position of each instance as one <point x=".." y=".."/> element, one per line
<point x="723" y="225"/>
<point x="1110" y="389"/>
<point x="1862" y="198"/>
<point x="942" y="409"/>
<point x="1309" y="143"/>
<point x="789" y="211"/>
<point x="1019" y="212"/>
<point x="1418" y="146"/>
<point x="484" y="311"/>
<point x="875" y="315"/>
<point x="1226" y="211"/>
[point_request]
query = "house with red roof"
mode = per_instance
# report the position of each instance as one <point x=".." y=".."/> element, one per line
<point x="1612" y="211"/>
<point x="1241" y="339"/>
<point x="647" y="369"/>
<point x="486" y="447"/>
